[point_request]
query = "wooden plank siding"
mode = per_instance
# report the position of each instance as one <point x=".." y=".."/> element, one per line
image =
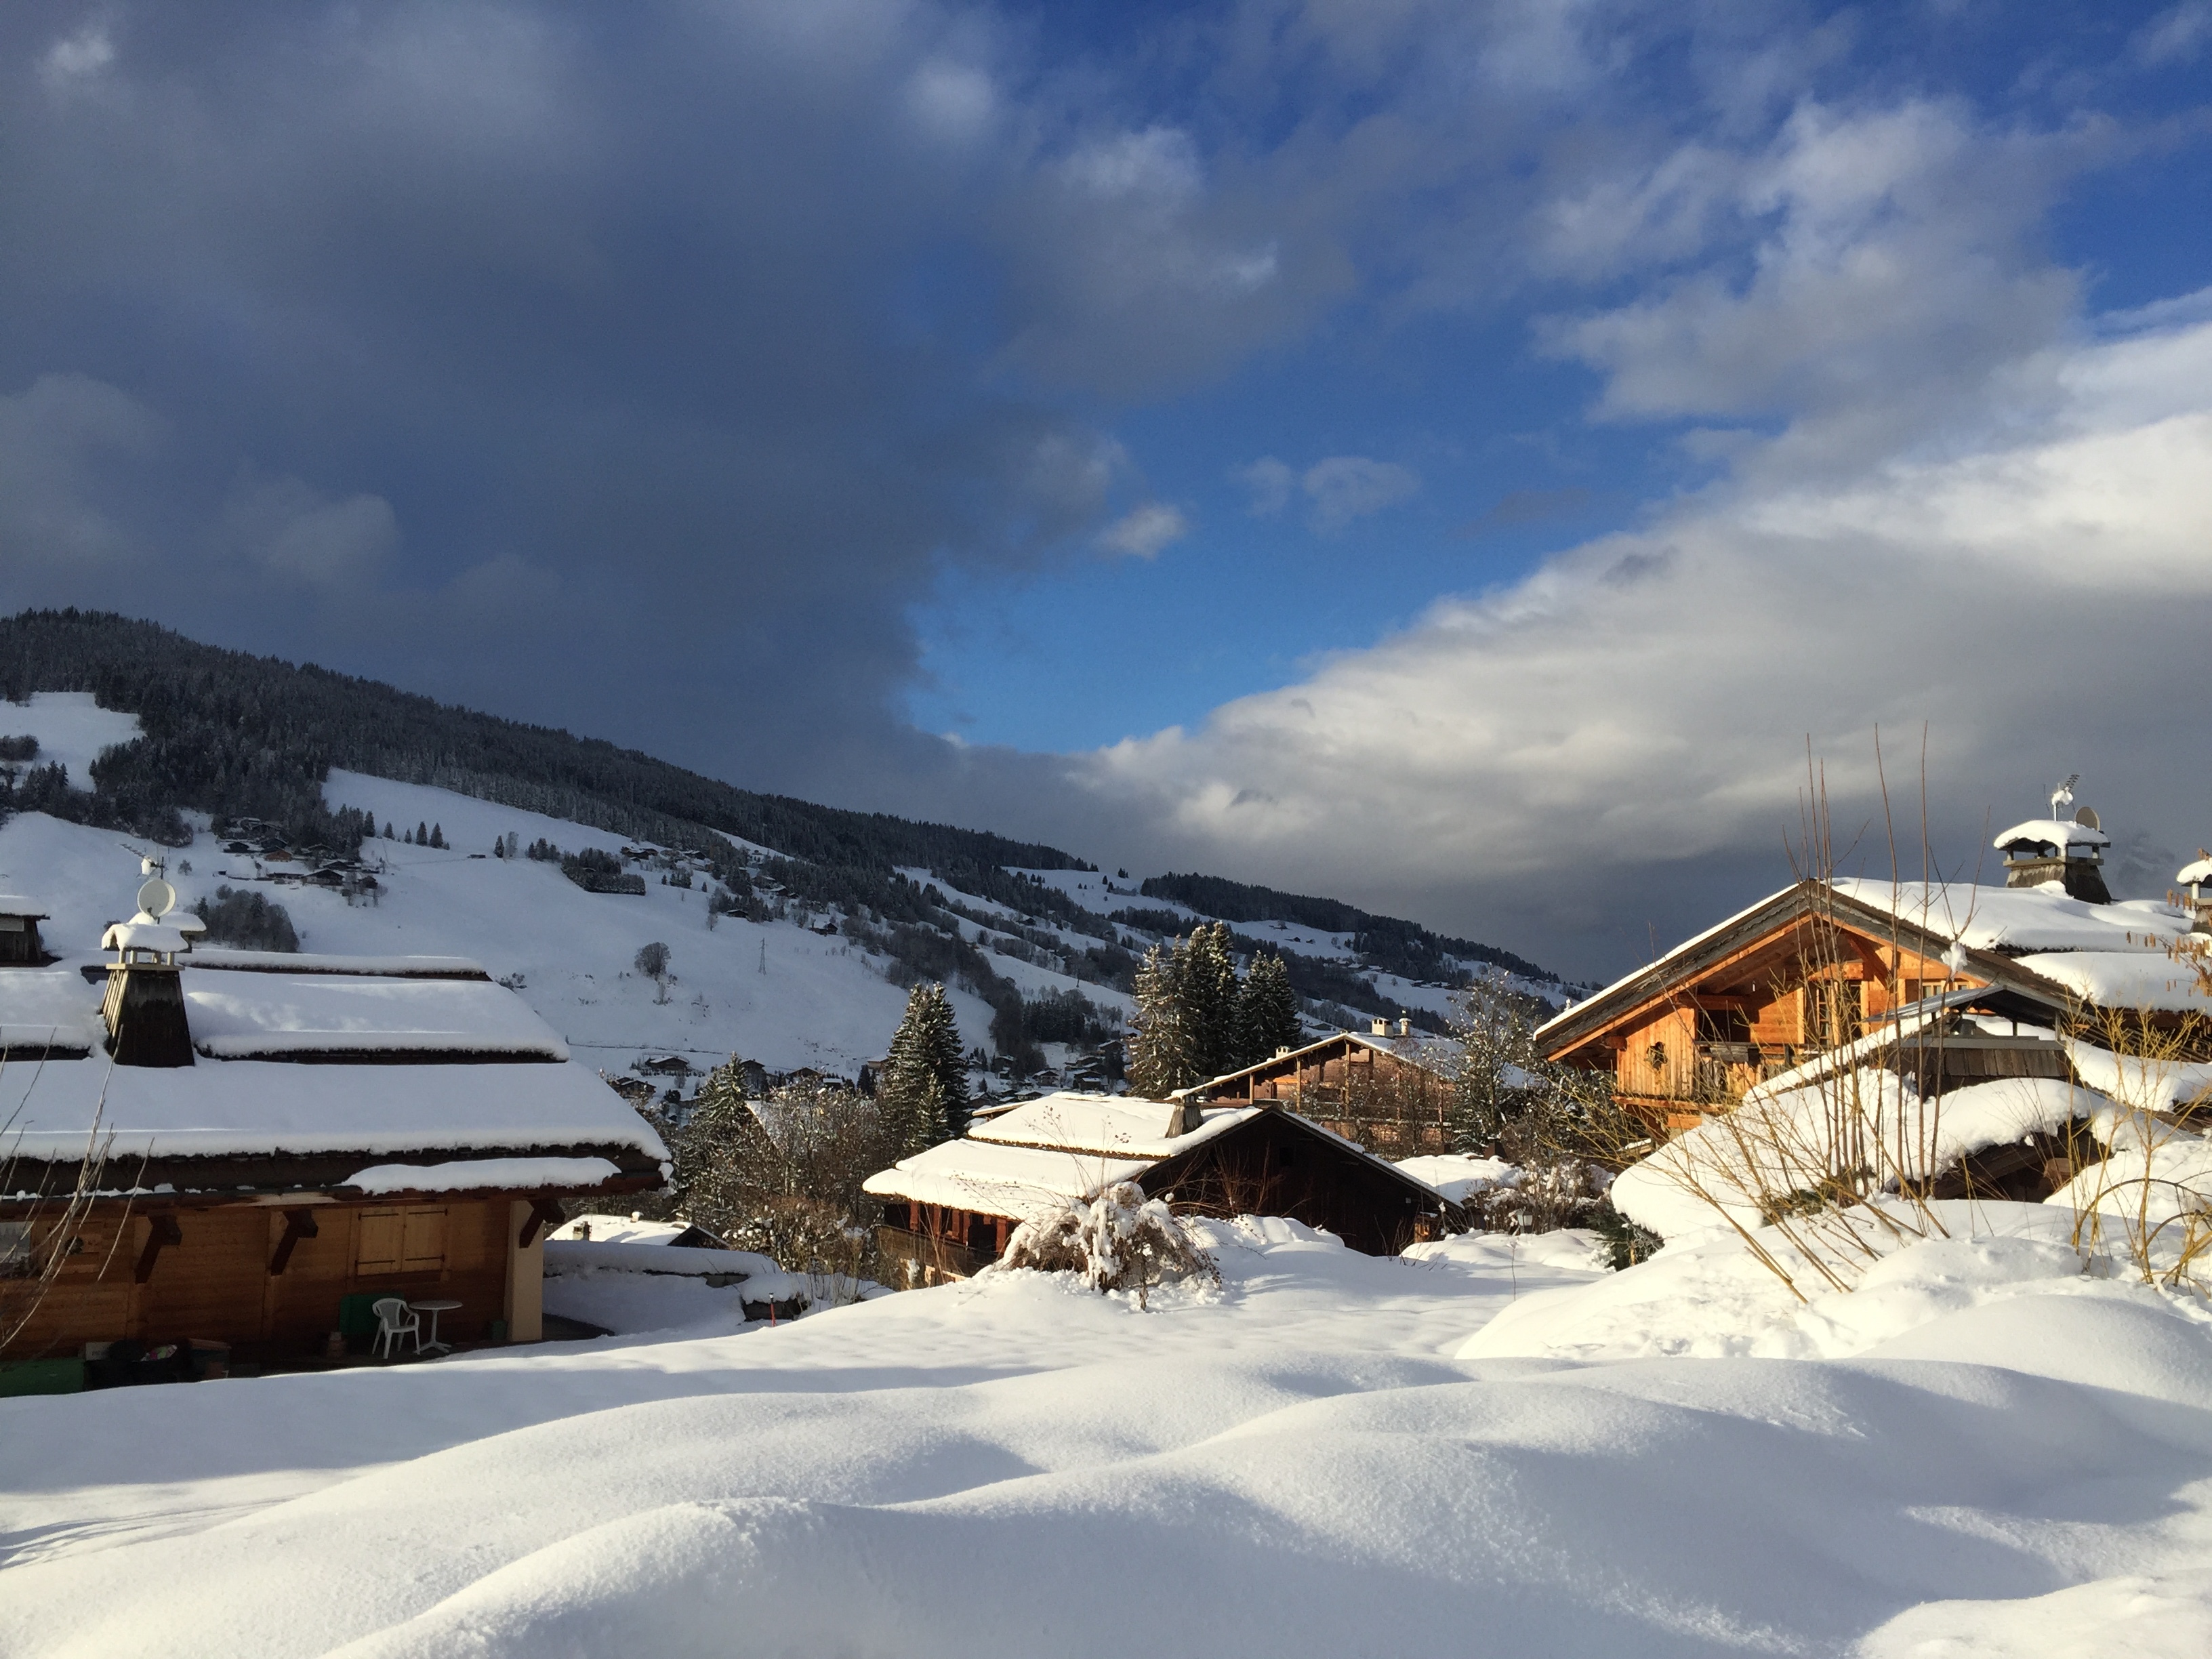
<point x="1806" y="972"/>
<point x="1390" y="1106"/>
<point x="215" y="1282"/>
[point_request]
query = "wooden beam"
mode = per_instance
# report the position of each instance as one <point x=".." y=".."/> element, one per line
<point x="298" y="1224"/>
<point x="160" y="1229"/>
<point x="544" y="1212"/>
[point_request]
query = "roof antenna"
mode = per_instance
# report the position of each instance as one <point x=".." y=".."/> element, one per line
<point x="2062" y="796"/>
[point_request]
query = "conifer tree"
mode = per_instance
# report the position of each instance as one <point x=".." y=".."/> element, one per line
<point x="1161" y="1057"/>
<point x="1268" y="1011"/>
<point x="1209" y="998"/>
<point x="422" y="833"/>
<point x="924" y="1091"/>
<point x="437" y="835"/>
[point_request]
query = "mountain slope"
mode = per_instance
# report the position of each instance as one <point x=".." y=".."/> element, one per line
<point x="1025" y="929"/>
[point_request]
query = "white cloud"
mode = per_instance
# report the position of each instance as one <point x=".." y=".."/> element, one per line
<point x="1270" y="482"/>
<point x="292" y="531"/>
<point x="2039" y="602"/>
<point x="2175" y="35"/>
<point x="59" y="440"/>
<point x="1347" y="487"/>
<point x="1338" y="490"/>
<point x="1141" y="533"/>
<point x="78" y="57"/>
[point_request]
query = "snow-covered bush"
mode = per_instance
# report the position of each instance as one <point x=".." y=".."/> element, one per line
<point x="1119" y="1241"/>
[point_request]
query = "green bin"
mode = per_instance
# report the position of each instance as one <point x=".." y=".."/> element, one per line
<point x="41" y="1377"/>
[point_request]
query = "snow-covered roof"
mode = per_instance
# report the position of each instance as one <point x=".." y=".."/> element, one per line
<point x="1118" y="1126"/>
<point x="2018" y="920"/>
<point x="619" y="1229"/>
<point x="48" y="1007"/>
<point x="2197" y="870"/>
<point x="269" y="1018"/>
<point x="483" y="1175"/>
<point x="247" y="1108"/>
<point x="460" y="1090"/>
<point x="1015" y="1181"/>
<point x="2051" y="836"/>
<point x="14" y="904"/>
<point x="143" y="936"/>
<point x="2126" y="979"/>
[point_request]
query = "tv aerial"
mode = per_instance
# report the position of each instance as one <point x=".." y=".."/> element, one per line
<point x="2062" y="796"/>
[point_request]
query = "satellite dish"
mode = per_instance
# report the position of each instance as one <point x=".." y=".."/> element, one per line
<point x="2086" y="818"/>
<point x="157" y="898"/>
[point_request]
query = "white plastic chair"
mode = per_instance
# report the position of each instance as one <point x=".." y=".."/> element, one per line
<point x="395" y="1319"/>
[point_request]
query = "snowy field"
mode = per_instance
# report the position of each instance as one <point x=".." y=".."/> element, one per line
<point x="1491" y="1449"/>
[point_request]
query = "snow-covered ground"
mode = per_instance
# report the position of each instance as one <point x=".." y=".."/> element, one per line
<point x="72" y="729"/>
<point x="1490" y="1448"/>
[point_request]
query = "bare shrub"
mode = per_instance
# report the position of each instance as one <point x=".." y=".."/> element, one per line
<point x="1119" y="1241"/>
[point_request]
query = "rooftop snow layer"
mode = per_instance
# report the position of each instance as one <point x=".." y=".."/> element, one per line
<point x="2125" y="978"/>
<point x="686" y="1260"/>
<point x="2050" y="836"/>
<point x="14" y="904"/>
<point x="1117" y="1125"/>
<point x="268" y="1018"/>
<point x="247" y="1107"/>
<point x="48" y="1006"/>
<point x="1016" y="1181"/>
<point x="2017" y="920"/>
<point x="483" y="1175"/>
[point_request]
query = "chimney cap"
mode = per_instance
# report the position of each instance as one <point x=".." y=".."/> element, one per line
<point x="1379" y="1027"/>
<point x="128" y="936"/>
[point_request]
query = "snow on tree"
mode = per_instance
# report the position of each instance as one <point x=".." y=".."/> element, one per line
<point x="1161" y="1055"/>
<point x="923" y="1092"/>
<point x="653" y="962"/>
<point x="1268" y="1011"/>
<point x="1119" y="1241"/>
<point x="1210" y="996"/>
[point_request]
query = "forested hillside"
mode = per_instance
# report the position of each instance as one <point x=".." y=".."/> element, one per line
<point x="231" y="734"/>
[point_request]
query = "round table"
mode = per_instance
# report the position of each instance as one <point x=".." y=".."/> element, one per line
<point x="433" y="1307"/>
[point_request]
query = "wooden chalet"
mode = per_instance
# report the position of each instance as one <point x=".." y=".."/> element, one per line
<point x="1390" y="1087"/>
<point x="949" y="1211"/>
<point x="237" y="1148"/>
<point x="1820" y="966"/>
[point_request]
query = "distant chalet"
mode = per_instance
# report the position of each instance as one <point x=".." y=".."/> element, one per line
<point x="265" y="1136"/>
<point x="1387" y="1088"/>
<point x="1947" y="985"/>
<point x="949" y="1211"/>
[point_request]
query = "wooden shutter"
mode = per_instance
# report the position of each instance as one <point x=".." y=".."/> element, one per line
<point x="424" y="1241"/>
<point x="377" y="1244"/>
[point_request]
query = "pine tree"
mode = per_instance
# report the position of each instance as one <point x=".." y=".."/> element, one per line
<point x="422" y="833"/>
<point x="1161" y="1059"/>
<point x="388" y="835"/>
<point x="924" y="1091"/>
<point x="437" y="835"/>
<point x="1268" y="1011"/>
<point x="1209" y="993"/>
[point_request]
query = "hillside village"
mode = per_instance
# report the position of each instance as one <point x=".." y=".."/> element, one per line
<point x="541" y="1122"/>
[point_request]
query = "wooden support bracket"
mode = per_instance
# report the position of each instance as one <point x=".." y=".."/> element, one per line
<point x="298" y="1224"/>
<point x="544" y="1212"/>
<point x="162" y="1230"/>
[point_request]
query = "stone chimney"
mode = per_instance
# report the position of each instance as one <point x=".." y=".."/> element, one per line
<point x="1378" y="1028"/>
<point x="2045" y="850"/>
<point x="145" y="1008"/>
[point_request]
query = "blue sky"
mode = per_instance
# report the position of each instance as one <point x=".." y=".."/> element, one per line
<point x="1459" y="458"/>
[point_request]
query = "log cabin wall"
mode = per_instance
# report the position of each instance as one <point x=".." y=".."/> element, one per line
<point x="166" y="1274"/>
<point x="1390" y="1106"/>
